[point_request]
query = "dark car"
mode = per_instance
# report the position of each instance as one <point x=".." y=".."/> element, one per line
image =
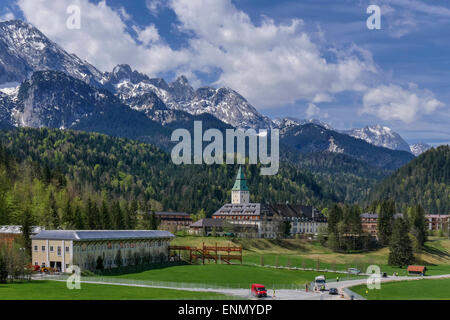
<point x="333" y="291"/>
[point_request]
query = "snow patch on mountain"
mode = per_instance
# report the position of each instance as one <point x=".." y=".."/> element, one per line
<point x="333" y="147"/>
<point x="418" y="148"/>
<point x="380" y="136"/>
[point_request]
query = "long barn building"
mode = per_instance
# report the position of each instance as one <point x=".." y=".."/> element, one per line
<point x="59" y="249"/>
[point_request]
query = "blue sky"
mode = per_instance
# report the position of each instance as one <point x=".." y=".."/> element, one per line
<point x="309" y="58"/>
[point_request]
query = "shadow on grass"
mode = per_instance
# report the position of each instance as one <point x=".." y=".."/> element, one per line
<point x="437" y="252"/>
<point x="257" y="244"/>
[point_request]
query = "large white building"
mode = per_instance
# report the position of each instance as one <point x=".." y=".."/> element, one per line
<point x="265" y="220"/>
<point x="60" y="248"/>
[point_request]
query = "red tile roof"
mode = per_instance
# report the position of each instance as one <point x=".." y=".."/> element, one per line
<point x="416" y="269"/>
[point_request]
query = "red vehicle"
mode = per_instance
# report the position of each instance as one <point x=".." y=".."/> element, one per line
<point x="258" y="290"/>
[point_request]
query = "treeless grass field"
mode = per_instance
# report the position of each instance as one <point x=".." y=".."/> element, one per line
<point x="223" y="275"/>
<point x="309" y="254"/>
<point x="55" y="290"/>
<point x="425" y="289"/>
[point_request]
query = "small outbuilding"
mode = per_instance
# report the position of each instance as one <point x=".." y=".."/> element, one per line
<point x="420" y="270"/>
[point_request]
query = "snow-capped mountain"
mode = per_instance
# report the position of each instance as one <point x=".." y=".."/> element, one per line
<point x="418" y="148"/>
<point x="380" y="136"/>
<point x="286" y="122"/>
<point x="223" y="103"/>
<point x="56" y="100"/>
<point x="311" y="137"/>
<point x="24" y="49"/>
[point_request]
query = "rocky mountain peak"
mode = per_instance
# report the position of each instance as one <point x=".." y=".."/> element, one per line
<point x="380" y="136"/>
<point x="418" y="148"/>
<point x="123" y="72"/>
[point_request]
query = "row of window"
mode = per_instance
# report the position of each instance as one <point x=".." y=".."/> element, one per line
<point x="98" y="247"/>
<point x="51" y="249"/>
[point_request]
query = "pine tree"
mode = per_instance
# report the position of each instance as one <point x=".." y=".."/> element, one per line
<point x="400" y="249"/>
<point x="27" y="225"/>
<point x="67" y="217"/>
<point x="153" y="221"/>
<point x="334" y="216"/>
<point x="53" y="212"/>
<point x="118" y="216"/>
<point x="78" y="222"/>
<point x="132" y="214"/>
<point x="418" y="225"/>
<point x="385" y="222"/>
<point x="105" y="218"/>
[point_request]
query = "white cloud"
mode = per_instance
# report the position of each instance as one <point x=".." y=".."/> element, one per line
<point x="154" y="6"/>
<point x="103" y="39"/>
<point x="312" y="110"/>
<point x="149" y="35"/>
<point x="392" y="102"/>
<point x="271" y="64"/>
<point x="401" y="17"/>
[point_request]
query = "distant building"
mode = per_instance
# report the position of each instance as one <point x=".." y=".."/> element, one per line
<point x="265" y="220"/>
<point x="438" y="221"/>
<point x="207" y="226"/>
<point x="173" y="220"/>
<point x="60" y="248"/>
<point x="302" y="219"/>
<point x="369" y="222"/>
<point x="9" y="233"/>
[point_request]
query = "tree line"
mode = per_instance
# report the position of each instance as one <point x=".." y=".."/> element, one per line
<point x="404" y="234"/>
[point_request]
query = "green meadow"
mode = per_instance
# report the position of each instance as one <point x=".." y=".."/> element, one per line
<point x="424" y="289"/>
<point x="57" y="290"/>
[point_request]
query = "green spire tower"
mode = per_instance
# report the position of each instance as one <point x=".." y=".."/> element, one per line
<point x="239" y="192"/>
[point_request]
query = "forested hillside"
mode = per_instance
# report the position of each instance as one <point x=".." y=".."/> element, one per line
<point x="74" y="179"/>
<point x="425" y="181"/>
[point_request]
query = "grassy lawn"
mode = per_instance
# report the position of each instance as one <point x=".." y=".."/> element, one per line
<point x="234" y="276"/>
<point x="54" y="290"/>
<point x="307" y="254"/>
<point x="426" y="289"/>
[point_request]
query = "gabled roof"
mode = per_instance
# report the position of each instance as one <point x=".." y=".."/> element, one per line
<point x="416" y="268"/>
<point x="84" y="235"/>
<point x="240" y="184"/>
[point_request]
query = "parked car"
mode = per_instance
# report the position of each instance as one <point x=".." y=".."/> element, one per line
<point x="258" y="290"/>
<point x="353" y="271"/>
<point x="333" y="291"/>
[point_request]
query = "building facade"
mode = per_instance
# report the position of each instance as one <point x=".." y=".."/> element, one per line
<point x="266" y="220"/>
<point x="59" y="249"/>
<point x="10" y="233"/>
<point x="438" y="221"/>
<point x="369" y="222"/>
<point x="303" y="220"/>
<point x="173" y="220"/>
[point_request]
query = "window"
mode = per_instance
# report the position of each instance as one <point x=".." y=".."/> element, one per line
<point x="43" y="248"/>
<point x="51" y="248"/>
<point x="67" y="249"/>
<point x="35" y="248"/>
<point x="59" y="250"/>
<point x="36" y="263"/>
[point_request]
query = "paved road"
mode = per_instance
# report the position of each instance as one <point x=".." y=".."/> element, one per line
<point x="282" y="294"/>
